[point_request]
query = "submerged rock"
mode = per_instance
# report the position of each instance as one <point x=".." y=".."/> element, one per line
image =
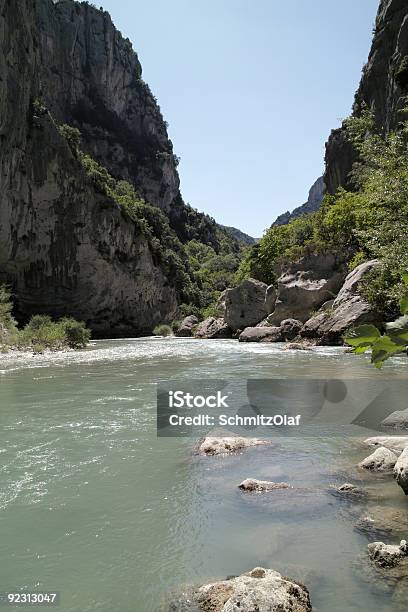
<point x="261" y="334"/>
<point x="381" y="460"/>
<point x="252" y="484"/>
<point x="348" y="491"/>
<point x="382" y="521"/>
<point x="387" y="555"/>
<point x="186" y="327"/>
<point x="260" y="590"/>
<point x="245" y="304"/>
<point x="401" y="471"/>
<point x="212" y="445"/>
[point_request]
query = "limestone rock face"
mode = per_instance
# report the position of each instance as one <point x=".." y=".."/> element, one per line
<point x="64" y="247"/>
<point x="305" y="285"/>
<point x="383" y="85"/>
<point x="213" y="327"/>
<point x="348" y="309"/>
<point x="261" y="334"/>
<point x="245" y="304"/>
<point x="186" y="327"/>
<point x="261" y="589"/>
<point x="92" y="78"/>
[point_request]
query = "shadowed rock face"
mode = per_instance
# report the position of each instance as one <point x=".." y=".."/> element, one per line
<point x="383" y="85"/>
<point x="64" y="247"/>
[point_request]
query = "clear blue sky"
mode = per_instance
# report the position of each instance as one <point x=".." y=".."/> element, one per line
<point x="251" y="90"/>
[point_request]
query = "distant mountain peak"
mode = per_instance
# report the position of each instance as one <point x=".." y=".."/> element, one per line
<point x="316" y="195"/>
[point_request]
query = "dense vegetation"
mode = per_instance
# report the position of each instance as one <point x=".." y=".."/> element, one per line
<point x="383" y="346"/>
<point x="41" y="332"/>
<point x="196" y="255"/>
<point x="369" y="222"/>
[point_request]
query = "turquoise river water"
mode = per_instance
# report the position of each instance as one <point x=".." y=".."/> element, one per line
<point x="95" y="506"/>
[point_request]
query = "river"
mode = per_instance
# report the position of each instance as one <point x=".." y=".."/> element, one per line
<point x="95" y="506"/>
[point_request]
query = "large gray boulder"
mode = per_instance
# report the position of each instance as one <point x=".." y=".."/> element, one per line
<point x="261" y="334"/>
<point x="397" y="420"/>
<point x="381" y="460"/>
<point x="263" y="590"/>
<point x="186" y="327"/>
<point x="213" y="328"/>
<point x="290" y="328"/>
<point x="305" y="285"/>
<point x="395" y="443"/>
<point x="401" y="471"/>
<point x="245" y="304"/>
<point x="349" y="309"/>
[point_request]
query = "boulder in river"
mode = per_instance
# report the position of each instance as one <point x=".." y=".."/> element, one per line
<point x="397" y="419"/>
<point x="263" y="590"/>
<point x="388" y="555"/>
<point x="213" y="328"/>
<point x="349" y="309"/>
<point x="185" y="329"/>
<point x="394" y="443"/>
<point x="227" y="445"/>
<point x="401" y="471"/>
<point x="305" y="285"/>
<point x="252" y="484"/>
<point x="381" y="460"/>
<point x="245" y="304"/>
<point x="348" y="491"/>
<point x="261" y="334"/>
<point x="290" y="328"/>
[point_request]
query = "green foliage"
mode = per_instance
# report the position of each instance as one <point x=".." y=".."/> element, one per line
<point x="394" y="341"/>
<point x="39" y="108"/>
<point x="8" y="328"/>
<point x="163" y="330"/>
<point x="197" y="257"/>
<point x="369" y="222"/>
<point x="41" y="332"/>
<point x="76" y="333"/>
<point x="72" y="136"/>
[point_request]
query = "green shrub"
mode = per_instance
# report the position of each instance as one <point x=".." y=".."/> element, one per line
<point x="77" y="335"/>
<point x="369" y="222"/>
<point x="72" y="136"/>
<point x="163" y="330"/>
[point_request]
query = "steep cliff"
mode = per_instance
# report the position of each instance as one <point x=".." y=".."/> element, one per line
<point x="383" y="86"/>
<point x="66" y="247"/>
<point x="314" y="200"/>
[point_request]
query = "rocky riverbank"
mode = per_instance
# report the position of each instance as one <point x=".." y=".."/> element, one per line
<point x="314" y="301"/>
<point x="267" y="590"/>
